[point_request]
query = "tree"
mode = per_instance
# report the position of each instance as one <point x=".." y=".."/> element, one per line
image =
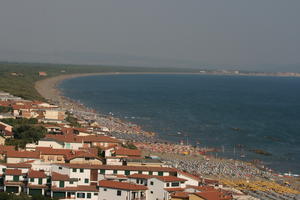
<point x="29" y="133"/>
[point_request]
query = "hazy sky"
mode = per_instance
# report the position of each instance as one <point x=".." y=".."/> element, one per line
<point x="244" y="33"/>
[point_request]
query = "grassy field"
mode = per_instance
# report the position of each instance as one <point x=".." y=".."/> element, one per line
<point x="19" y="78"/>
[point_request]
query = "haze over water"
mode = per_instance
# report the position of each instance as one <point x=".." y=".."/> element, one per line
<point x="217" y="111"/>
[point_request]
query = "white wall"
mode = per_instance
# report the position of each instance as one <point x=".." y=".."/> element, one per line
<point x="156" y="191"/>
<point x="53" y="144"/>
<point x="190" y="181"/>
<point x="110" y="194"/>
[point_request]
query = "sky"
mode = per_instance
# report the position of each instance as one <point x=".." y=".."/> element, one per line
<point x="241" y="34"/>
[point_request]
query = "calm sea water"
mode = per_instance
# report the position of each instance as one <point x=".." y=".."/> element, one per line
<point x="227" y="112"/>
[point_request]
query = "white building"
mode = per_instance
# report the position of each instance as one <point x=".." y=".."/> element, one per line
<point x="121" y="191"/>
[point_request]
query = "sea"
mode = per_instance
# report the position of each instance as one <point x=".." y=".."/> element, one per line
<point x="238" y="115"/>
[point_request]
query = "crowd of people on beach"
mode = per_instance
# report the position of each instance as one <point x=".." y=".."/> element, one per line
<point x="218" y="167"/>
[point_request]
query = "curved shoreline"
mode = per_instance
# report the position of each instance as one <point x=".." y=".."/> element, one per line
<point x="48" y="88"/>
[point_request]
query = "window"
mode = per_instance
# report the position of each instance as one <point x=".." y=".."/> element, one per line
<point x="168" y="184"/>
<point x="127" y="172"/>
<point x="140" y="172"/>
<point x="160" y="173"/>
<point x="137" y="181"/>
<point x="119" y="193"/>
<point x="59" y="167"/>
<point x="16" y="178"/>
<point x="95" y="194"/>
<point x="105" y="189"/>
<point x="102" y="171"/>
<point x="151" y="183"/>
<point x="71" y="182"/>
<point x="175" y="184"/>
<point x="61" y="184"/>
<point x="86" y="180"/>
<point x="81" y="170"/>
<point x="81" y="195"/>
<point x="74" y="170"/>
<point x="4" y="169"/>
<point x="40" y="181"/>
<point x="88" y="195"/>
<point x="31" y="179"/>
<point x="151" y="192"/>
<point x="115" y="171"/>
<point x="150" y="173"/>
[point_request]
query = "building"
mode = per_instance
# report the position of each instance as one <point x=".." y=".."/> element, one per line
<point x="37" y="183"/>
<point x="13" y="181"/>
<point x="21" y="156"/>
<point x="121" y="190"/>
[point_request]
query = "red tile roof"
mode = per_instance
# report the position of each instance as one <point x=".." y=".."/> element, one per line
<point x="190" y="175"/>
<point x="140" y="176"/>
<point x="83" y="154"/>
<point x="36" y="186"/>
<point x="162" y="178"/>
<point x="23" y="154"/>
<point x="181" y="195"/>
<point x="14" y="183"/>
<point x="13" y="172"/>
<point x="121" y="167"/>
<point x="18" y="165"/>
<point x="59" y="177"/>
<point x="36" y="174"/>
<point x="79" y="139"/>
<point x="201" y="188"/>
<point x="213" y="195"/>
<point x="170" y="179"/>
<point x="121" y="185"/>
<point x="88" y="188"/>
<point x="4" y="149"/>
<point x="128" y="152"/>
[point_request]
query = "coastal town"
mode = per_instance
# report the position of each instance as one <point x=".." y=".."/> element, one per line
<point x="62" y="150"/>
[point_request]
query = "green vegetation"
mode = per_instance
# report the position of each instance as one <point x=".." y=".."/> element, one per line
<point x="72" y="120"/>
<point x="19" y="78"/>
<point x="129" y="146"/>
<point x="20" y="121"/>
<point x="25" y="131"/>
<point x="4" y="109"/>
<point x="12" y="196"/>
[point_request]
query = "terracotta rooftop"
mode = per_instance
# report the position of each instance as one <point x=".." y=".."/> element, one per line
<point x="121" y="185"/>
<point x="59" y="177"/>
<point x="121" y="167"/>
<point x="213" y="195"/>
<point x="140" y="176"/>
<point x="13" y="172"/>
<point x="4" y="148"/>
<point x="170" y="179"/>
<point x="79" y="139"/>
<point x="181" y="195"/>
<point x="190" y="175"/>
<point x="36" y="186"/>
<point x="36" y="174"/>
<point x="128" y="152"/>
<point x="82" y="154"/>
<point x="162" y="178"/>
<point x="23" y="154"/>
<point x="18" y="165"/>
<point x="201" y="188"/>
